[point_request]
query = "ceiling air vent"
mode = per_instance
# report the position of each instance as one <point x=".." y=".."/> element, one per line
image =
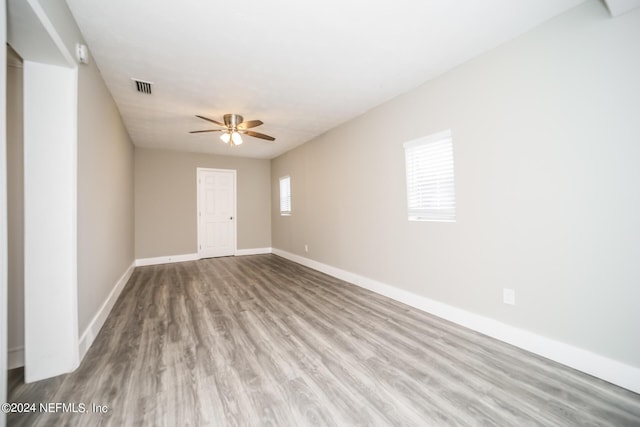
<point x="142" y="86"/>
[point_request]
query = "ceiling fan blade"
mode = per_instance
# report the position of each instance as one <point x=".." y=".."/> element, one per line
<point x="249" y="124"/>
<point x="257" y="135"/>
<point x="210" y="120"/>
<point x="208" y="130"/>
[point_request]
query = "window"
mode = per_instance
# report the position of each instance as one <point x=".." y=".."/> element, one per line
<point x="285" y="195"/>
<point x="430" y="185"/>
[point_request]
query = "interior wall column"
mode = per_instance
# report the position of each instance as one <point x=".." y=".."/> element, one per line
<point x="51" y="338"/>
<point x="40" y="32"/>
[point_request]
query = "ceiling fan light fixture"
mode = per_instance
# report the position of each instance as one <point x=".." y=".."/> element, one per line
<point x="232" y="127"/>
<point x="236" y="138"/>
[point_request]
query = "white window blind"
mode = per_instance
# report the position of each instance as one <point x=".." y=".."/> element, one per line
<point x="430" y="184"/>
<point x="285" y="195"/>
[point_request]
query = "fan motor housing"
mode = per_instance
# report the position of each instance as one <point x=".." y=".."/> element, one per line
<point x="232" y="120"/>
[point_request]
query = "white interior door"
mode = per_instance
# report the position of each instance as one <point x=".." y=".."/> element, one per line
<point x="216" y="212"/>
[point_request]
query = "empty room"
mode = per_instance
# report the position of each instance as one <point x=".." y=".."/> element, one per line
<point x="421" y="213"/>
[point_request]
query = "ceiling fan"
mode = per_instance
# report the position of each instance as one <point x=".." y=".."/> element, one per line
<point x="233" y="126"/>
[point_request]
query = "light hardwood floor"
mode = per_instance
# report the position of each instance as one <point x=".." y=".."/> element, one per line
<point x="259" y="340"/>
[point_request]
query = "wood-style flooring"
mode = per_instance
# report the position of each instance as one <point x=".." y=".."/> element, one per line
<point x="261" y="341"/>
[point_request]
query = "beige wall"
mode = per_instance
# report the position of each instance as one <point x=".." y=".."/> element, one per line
<point x="546" y="143"/>
<point x="165" y="201"/>
<point x="105" y="195"/>
<point x="15" y="203"/>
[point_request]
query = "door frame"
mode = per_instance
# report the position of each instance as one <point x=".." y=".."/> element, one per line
<point x="235" y="207"/>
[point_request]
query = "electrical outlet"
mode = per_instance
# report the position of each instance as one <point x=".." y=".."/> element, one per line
<point x="509" y="296"/>
<point x="306" y="247"/>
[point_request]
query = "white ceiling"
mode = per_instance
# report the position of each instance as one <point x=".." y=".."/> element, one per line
<point x="302" y="67"/>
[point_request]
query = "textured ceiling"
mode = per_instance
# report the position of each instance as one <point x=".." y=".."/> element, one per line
<point x="302" y="67"/>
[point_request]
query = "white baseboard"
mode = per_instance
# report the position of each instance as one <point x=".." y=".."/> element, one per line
<point x="90" y="334"/>
<point x="610" y="370"/>
<point x="254" y="251"/>
<point x="15" y="357"/>
<point x="166" y="259"/>
<point x="194" y="257"/>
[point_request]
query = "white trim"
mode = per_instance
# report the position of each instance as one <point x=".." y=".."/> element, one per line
<point x="90" y="334"/>
<point x="52" y="31"/>
<point x="445" y="134"/>
<point x="141" y="262"/>
<point x="15" y="357"/>
<point x="253" y="251"/>
<point x="599" y="366"/>
<point x="166" y="259"/>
